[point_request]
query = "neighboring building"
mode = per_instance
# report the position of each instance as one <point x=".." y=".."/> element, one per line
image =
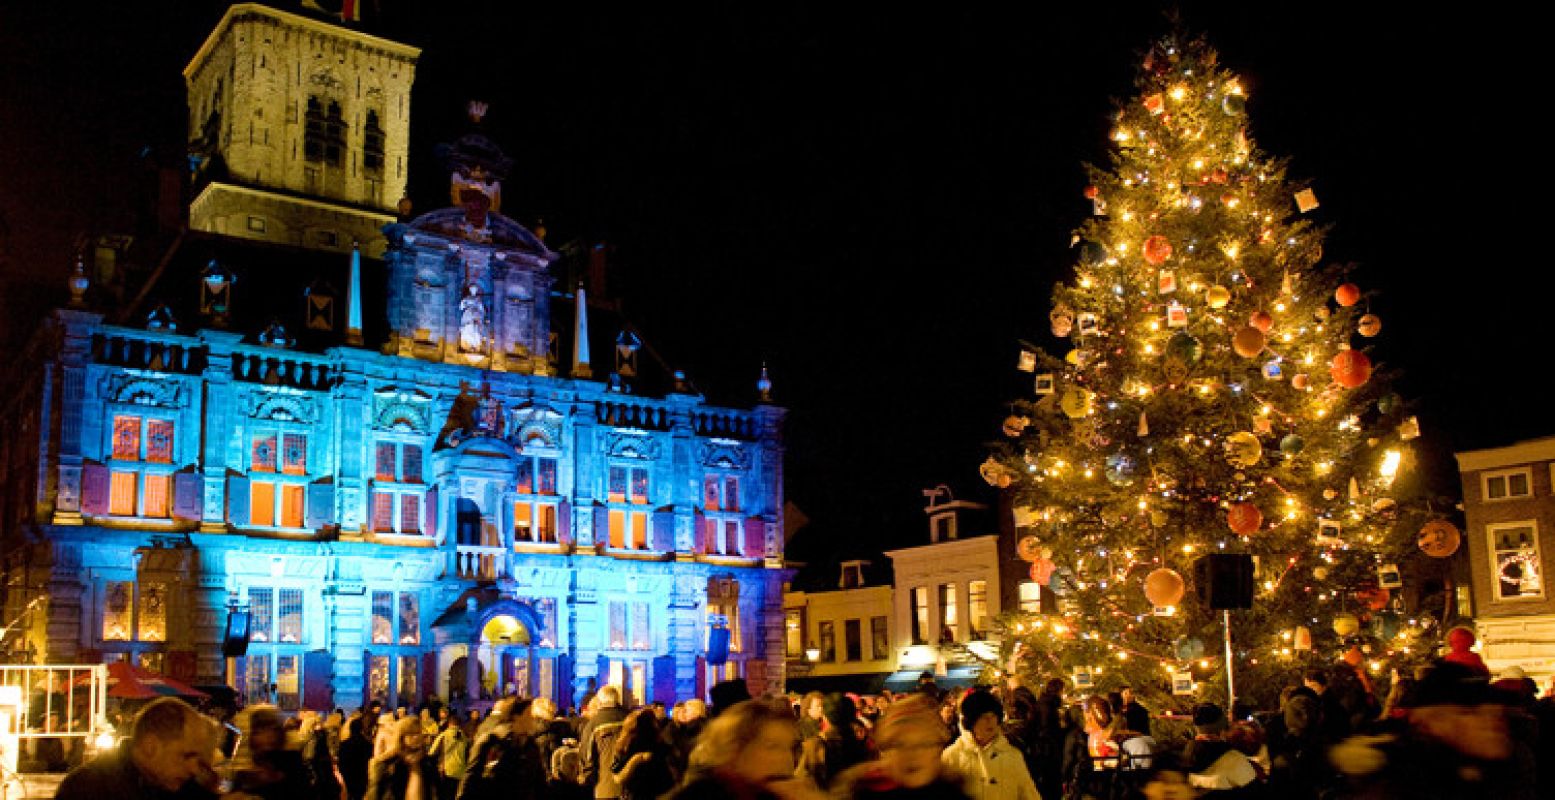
<point x="948" y="594"/>
<point x="840" y="639"/>
<point x="425" y="498"/>
<point x="1509" y="513"/>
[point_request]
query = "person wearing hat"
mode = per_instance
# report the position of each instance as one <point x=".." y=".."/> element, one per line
<point x="992" y="767"/>
<point x="1212" y="762"/>
<point x="726" y="694"/>
<point x="1453" y="742"/>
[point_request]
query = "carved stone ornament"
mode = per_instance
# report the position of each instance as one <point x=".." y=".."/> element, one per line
<point x="723" y="456"/>
<point x="143" y="391"/>
<point x="280" y="407"/>
<point x="401" y="411"/>
<point x="536" y="426"/>
<point x="631" y="445"/>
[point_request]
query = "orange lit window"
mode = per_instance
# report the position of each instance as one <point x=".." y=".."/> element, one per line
<point x="262" y="455"/>
<point x="522" y="522"/>
<point x="159" y="441"/>
<point x="618" y="529"/>
<point x="126" y="438"/>
<point x="640" y="531"/>
<point x="547" y="532"/>
<point x="291" y="505"/>
<point x="158" y="489"/>
<point x="261" y="507"/>
<point x="294" y="457"/>
<point x="121" y="494"/>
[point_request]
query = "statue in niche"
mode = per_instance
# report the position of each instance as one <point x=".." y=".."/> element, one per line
<point x="472" y="320"/>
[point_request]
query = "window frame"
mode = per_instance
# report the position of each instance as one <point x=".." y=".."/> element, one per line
<point x="142" y="467"/>
<point x="976" y="632"/>
<point x="852" y="640"/>
<point x="399" y="487"/>
<point x="1494" y="553"/>
<point x="274" y="649"/>
<point x="1506" y="475"/>
<point x="280" y="479"/>
<point x="880" y="647"/>
<point x="628" y="515"/>
<point x="629" y="646"/>
<point x="534" y="499"/>
<point x="826" y="639"/>
<point x="918" y="615"/>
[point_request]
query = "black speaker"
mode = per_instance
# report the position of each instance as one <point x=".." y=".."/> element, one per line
<point x="717" y="646"/>
<point x="235" y="643"/>
<point x="1224" y="580"/>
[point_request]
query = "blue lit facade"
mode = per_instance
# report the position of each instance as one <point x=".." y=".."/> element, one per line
<point x="456" y="511"/>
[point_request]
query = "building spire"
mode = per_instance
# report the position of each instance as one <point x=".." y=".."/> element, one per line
<point x="580" y="337"/>
<point x="354" y="301"/>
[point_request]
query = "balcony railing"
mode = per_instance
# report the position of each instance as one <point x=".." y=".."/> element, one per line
<point x="477" y="563"/>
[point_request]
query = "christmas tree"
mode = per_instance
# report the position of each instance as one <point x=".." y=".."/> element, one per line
<point x="1216" y="397"/>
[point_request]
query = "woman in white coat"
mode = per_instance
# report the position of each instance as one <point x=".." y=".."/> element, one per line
<point x="992" y="767"/>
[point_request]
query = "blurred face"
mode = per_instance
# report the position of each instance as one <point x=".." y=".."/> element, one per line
<point x="985" y="729"/>
<point x="1475" y="731"/>
<point x="947" y="713"/>
<point x="170" y="763"/>
<point x="814" y="710"/>
<point x="413" y="745"/>
<point x="912" y="757"/>
<point x="770" y="756"/>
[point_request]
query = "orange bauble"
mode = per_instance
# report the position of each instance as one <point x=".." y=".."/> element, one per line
<point x="1354" y="657"/>
<point x="1164" y="587"/>
<point x="1347" y="295"/>
<point x="1370" y="325"/>
<point x="1350" y="368"/>
<point x="1262" y="321"/>
<point x="1439" y="538"/>
<point x="1091" y="192"/>
<point x="1157" y="250"/>
<point x="1248" y="342"/>
<point x="1244" y="519"/>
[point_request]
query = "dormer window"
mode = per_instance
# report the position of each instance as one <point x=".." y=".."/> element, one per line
<point x="852" y="575"/>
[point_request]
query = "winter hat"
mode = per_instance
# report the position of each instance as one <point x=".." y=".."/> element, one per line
<point x="978" y="703"/>
<point x="1209" y="718"/>
<point x="727" y="693"/>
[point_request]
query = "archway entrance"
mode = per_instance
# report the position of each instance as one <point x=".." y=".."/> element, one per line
<point x="503" y="655"/>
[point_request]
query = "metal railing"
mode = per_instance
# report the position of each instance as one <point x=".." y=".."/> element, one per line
<point x="57" y="700"/>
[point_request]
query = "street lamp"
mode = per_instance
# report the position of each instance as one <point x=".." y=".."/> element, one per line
<point x="812" y="653"/>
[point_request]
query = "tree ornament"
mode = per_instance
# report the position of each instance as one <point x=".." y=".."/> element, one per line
<point x="1243" y="449"/>
<point x="1370" y="325"/>
<point x="1248" y="342"/>
<point x="1354" y="657"/>
<point x="1042" y="570"/>
<point x="1301" y="381"/>
<point x="1346" y="624"/>
<point x="1347" y="295"/>
<point x="1301" y="640"/>
<point x="1155" y="103"/>
<point x="1219" y="175"/>
<point x="1439" y="538"/>
<point x="1091" y="192"/>
<point x="1029" y="548"/>
<point x="1144" y="426"/>
<point x="1062" y="320"/>
<point x="1015" y="425"/>
<point x="1292" y="444"/>
<point x="1120" y="469"/>
<point x="1074" y="357"/>
<point x="1320" y="573"/>
<point x="1164" y="587"/>
<point x="1062" y="581"/>
<point x="1185" y="346"/>
<point x="1076" y="402"/>
<point x="1233" y="105"/>
<point x="1244" y="519"/>
<point x="1374" y="598"/>
<point x="1262" y="321"/>
<point x="994" y="473"/>
<point x="1157" y="249"/>
<point x="1350" y="368"/>
<point x="1217" y="297"/>
<point x="1188" y="648"/>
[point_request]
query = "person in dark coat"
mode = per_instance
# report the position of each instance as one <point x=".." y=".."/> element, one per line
<point x="356" y="752"/>
<point x="403" y="771"/>
<point x="167" y="757"/>
<point x="640" y="760"/>
<point x="681" y="734"/>
<point x="505" y="762"/>
<point x="1135" y="716"/>
<point x="838" y="746"/>
<point x="272" y="771"/>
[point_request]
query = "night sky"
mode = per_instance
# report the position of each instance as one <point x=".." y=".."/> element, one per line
<point x="878" y="204"/>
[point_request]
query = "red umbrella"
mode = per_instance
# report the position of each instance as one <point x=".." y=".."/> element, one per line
<point x="129" y="682"/>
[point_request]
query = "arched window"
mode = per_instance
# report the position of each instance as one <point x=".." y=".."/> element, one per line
<point x="372" y="143"/>
<point x="313" y="131"/>
<point x="334" y="135"/>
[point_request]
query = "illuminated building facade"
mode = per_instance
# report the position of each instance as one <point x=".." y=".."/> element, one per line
<point x="425" y="499"/>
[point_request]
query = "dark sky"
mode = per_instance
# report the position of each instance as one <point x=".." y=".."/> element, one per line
<point x="876" y="204"/>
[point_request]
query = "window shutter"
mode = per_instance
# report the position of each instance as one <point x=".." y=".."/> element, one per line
<point x="429" y="513"/>
<point x="318" y="669"/>
<point x="701" y="679"/>
<point x="601" y="525"/>
<point x="664" y="680"/>
<point x="701" y="537"/>
<point x="428" y="676"/>
<point x="321" y="505"/>
<point x="755" y="538"/>
<point x="663" y="531"/>
<point x="187" y="488"/>
<point x="237" y="499"/>
<point x="564" y="523"/>
<point x="94" y="489"/>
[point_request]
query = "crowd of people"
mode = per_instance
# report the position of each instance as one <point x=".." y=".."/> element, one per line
<point x="1447" y="732"/>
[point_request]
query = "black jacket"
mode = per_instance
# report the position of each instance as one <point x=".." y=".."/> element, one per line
<point x="114" y="776"/>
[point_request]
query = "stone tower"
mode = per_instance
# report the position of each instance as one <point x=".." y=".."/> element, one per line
<point x="298" y="130"/>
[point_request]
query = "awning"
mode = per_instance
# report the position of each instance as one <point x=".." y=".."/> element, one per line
<point x="129" y="682"/>
<point x="867" y="683"/>
<point x="959" y="677"/>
